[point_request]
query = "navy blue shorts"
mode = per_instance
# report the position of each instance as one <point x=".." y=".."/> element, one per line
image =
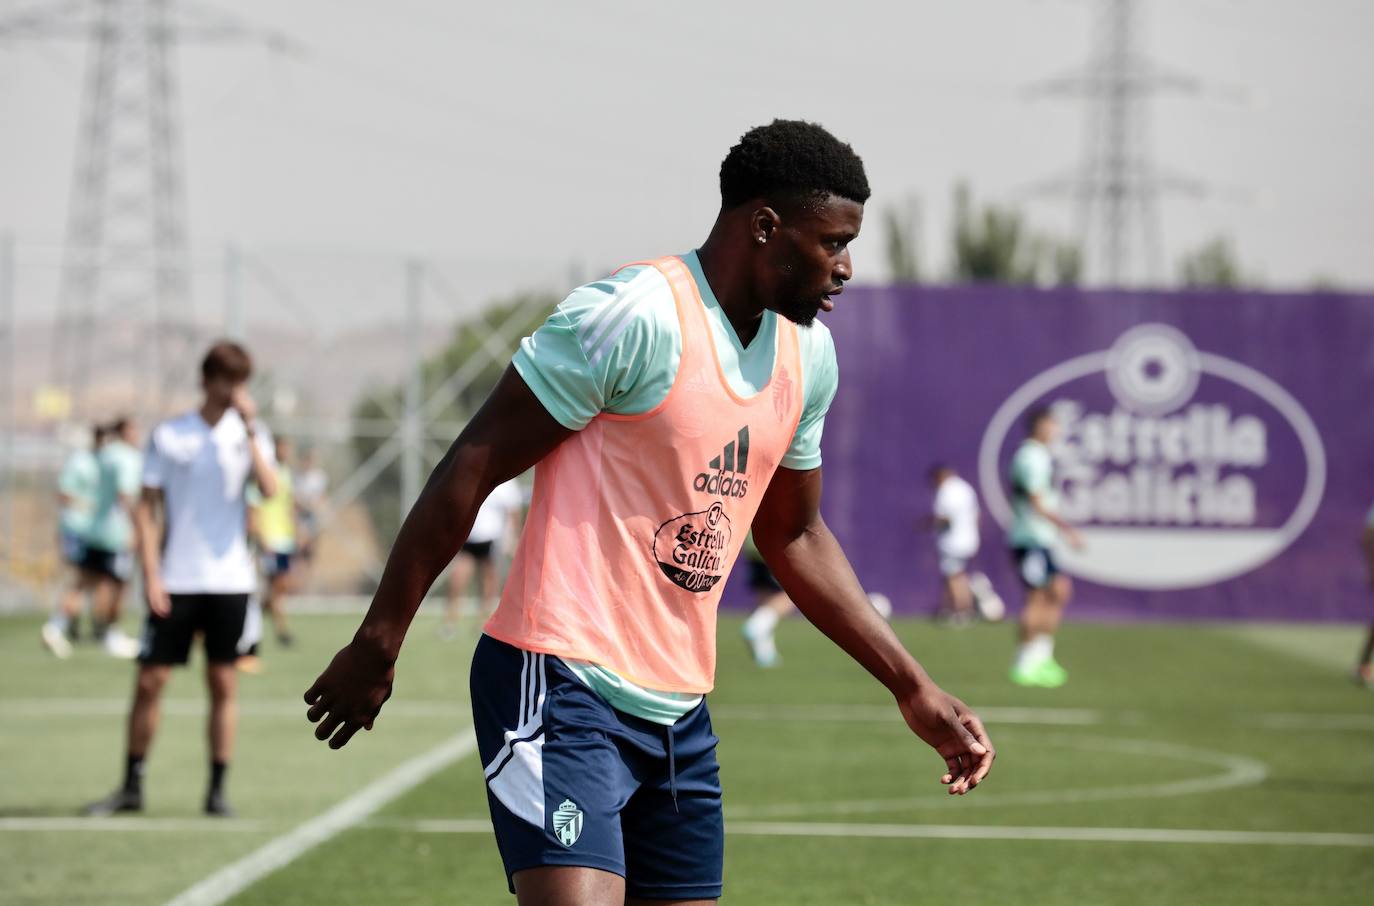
<point x="1035" y="566"/>
<point x="276" y="563"/>
<point x="572" y="781"/>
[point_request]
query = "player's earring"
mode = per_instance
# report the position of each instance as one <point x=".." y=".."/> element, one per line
<point x="761" y="238"/>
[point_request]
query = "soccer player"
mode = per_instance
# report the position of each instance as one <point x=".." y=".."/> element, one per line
<point x="771" y="604"/>
<point x="196" y="468"/>
<point x="273" y="527"/>
<point x="311" y="499"/>
<point x="76" y="489"/>
<point x="1035" y="530"/>
<point x="668" y="408"/>
<point x="109" y="539"/>
<point x="1364" y="667"/>
<point x="954" y="516"/>
<point x="497" y="519"/>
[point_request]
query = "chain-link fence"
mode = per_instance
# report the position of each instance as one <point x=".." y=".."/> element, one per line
<point x="369" y="363"/>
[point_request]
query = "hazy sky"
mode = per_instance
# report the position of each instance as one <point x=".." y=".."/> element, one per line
<point x="517" y="140"/>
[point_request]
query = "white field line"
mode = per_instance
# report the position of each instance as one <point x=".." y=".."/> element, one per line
<point x="107" y="707"/>
<point x="969" y="832"/>
<point x="123" y="825"/>
<point x="1059" y="834"/>
<point x="887" y="713"/>
<point x="867" y="713"/>
<point x="293" y="708"/>
<point x="282" y="850"/>
<point x="1332" y="647"/>
<point x="1312" y="721"/>
<point x="1237" y="771"/>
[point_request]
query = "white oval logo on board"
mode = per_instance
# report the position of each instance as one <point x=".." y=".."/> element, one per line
<point x="1178" y="466"/>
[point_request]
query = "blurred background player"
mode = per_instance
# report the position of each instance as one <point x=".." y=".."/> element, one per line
<point x="272" y="525"/>
<point x="771" y="604"/>
<point x="954" y="518"/>
<point x="311" y="490"/>
<point x="497" y="520"/>
<point x="1035" y="530"/>
<point x="198" y="582"/>
<point x="108" y="560"/>
<point x="1364" y="667"/>
<point x="76" y="489"/>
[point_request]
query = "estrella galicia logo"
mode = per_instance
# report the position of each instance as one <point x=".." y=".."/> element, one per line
<point x="1181" y="468"/>
<point x="567" y="822"/>
<point x="726" y="475"/>
<point x="691" y="549"/>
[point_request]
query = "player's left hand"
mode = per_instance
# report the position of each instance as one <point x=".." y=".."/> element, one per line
<point x="950" y="728"/>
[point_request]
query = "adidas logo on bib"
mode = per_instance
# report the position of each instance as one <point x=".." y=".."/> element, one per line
<point x="725" y="475"/>
<point x="567" y="822"/>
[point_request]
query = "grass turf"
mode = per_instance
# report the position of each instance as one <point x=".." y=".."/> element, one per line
<point x="1160" y="727"/>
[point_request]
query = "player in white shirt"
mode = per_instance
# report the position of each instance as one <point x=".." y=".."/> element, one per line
<point x="954" y="517"/>
<point x="198" y="580"/>
<point x="312" y="498"/>
<point x="498" y="519"/>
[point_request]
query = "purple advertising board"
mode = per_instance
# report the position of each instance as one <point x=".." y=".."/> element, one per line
<point x="1217" y="448"/>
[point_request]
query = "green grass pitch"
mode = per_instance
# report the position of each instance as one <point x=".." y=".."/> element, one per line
<point x="1180" y="765"/>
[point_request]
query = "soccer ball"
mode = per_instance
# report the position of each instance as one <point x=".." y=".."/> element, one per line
<point x="881" y="604"/>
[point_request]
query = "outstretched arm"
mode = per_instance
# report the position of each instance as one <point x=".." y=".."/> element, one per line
<point x="813" y="570"/>
<point x="1038" y="504"/>
<point x="509" y="434"/>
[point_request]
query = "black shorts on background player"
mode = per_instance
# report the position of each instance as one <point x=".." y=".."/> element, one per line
<point x="761" y="578"/>
<point x="167" y="640"/>
<point x="110" y="564"/>
<point x="478" y="550"/>
<point x="1034" y="565"/>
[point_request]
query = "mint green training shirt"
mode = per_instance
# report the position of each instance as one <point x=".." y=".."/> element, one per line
<point x="1032" y="473"/>
<point x="79" y="482"/>
<point x="121" y="476"/>
<point x="614" y="346"/>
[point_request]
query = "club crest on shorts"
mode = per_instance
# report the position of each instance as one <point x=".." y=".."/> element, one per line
<point x="567" y="822"/>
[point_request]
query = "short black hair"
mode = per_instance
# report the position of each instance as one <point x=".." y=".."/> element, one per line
<point x="1036" y="416"/>
<point x="791" y="157"/>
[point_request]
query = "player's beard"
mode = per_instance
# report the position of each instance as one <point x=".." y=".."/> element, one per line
<point x="800" y="311"/>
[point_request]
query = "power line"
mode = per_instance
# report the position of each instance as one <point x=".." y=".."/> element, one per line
<point x="126" y="239"/>
<point x="1117" y="185"/>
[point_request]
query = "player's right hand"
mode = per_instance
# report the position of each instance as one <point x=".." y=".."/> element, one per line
<point x="159" y="602"/>
<point x="242" y="400"/>
<point x="349" y="694"/>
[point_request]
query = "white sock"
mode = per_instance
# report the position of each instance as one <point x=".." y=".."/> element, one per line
<point x="761" y="622"/>
<point x="1035" y="652"/>
<point x="60" y="621"/>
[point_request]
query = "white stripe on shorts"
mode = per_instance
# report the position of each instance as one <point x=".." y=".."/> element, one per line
<point x="515" y="775"/>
